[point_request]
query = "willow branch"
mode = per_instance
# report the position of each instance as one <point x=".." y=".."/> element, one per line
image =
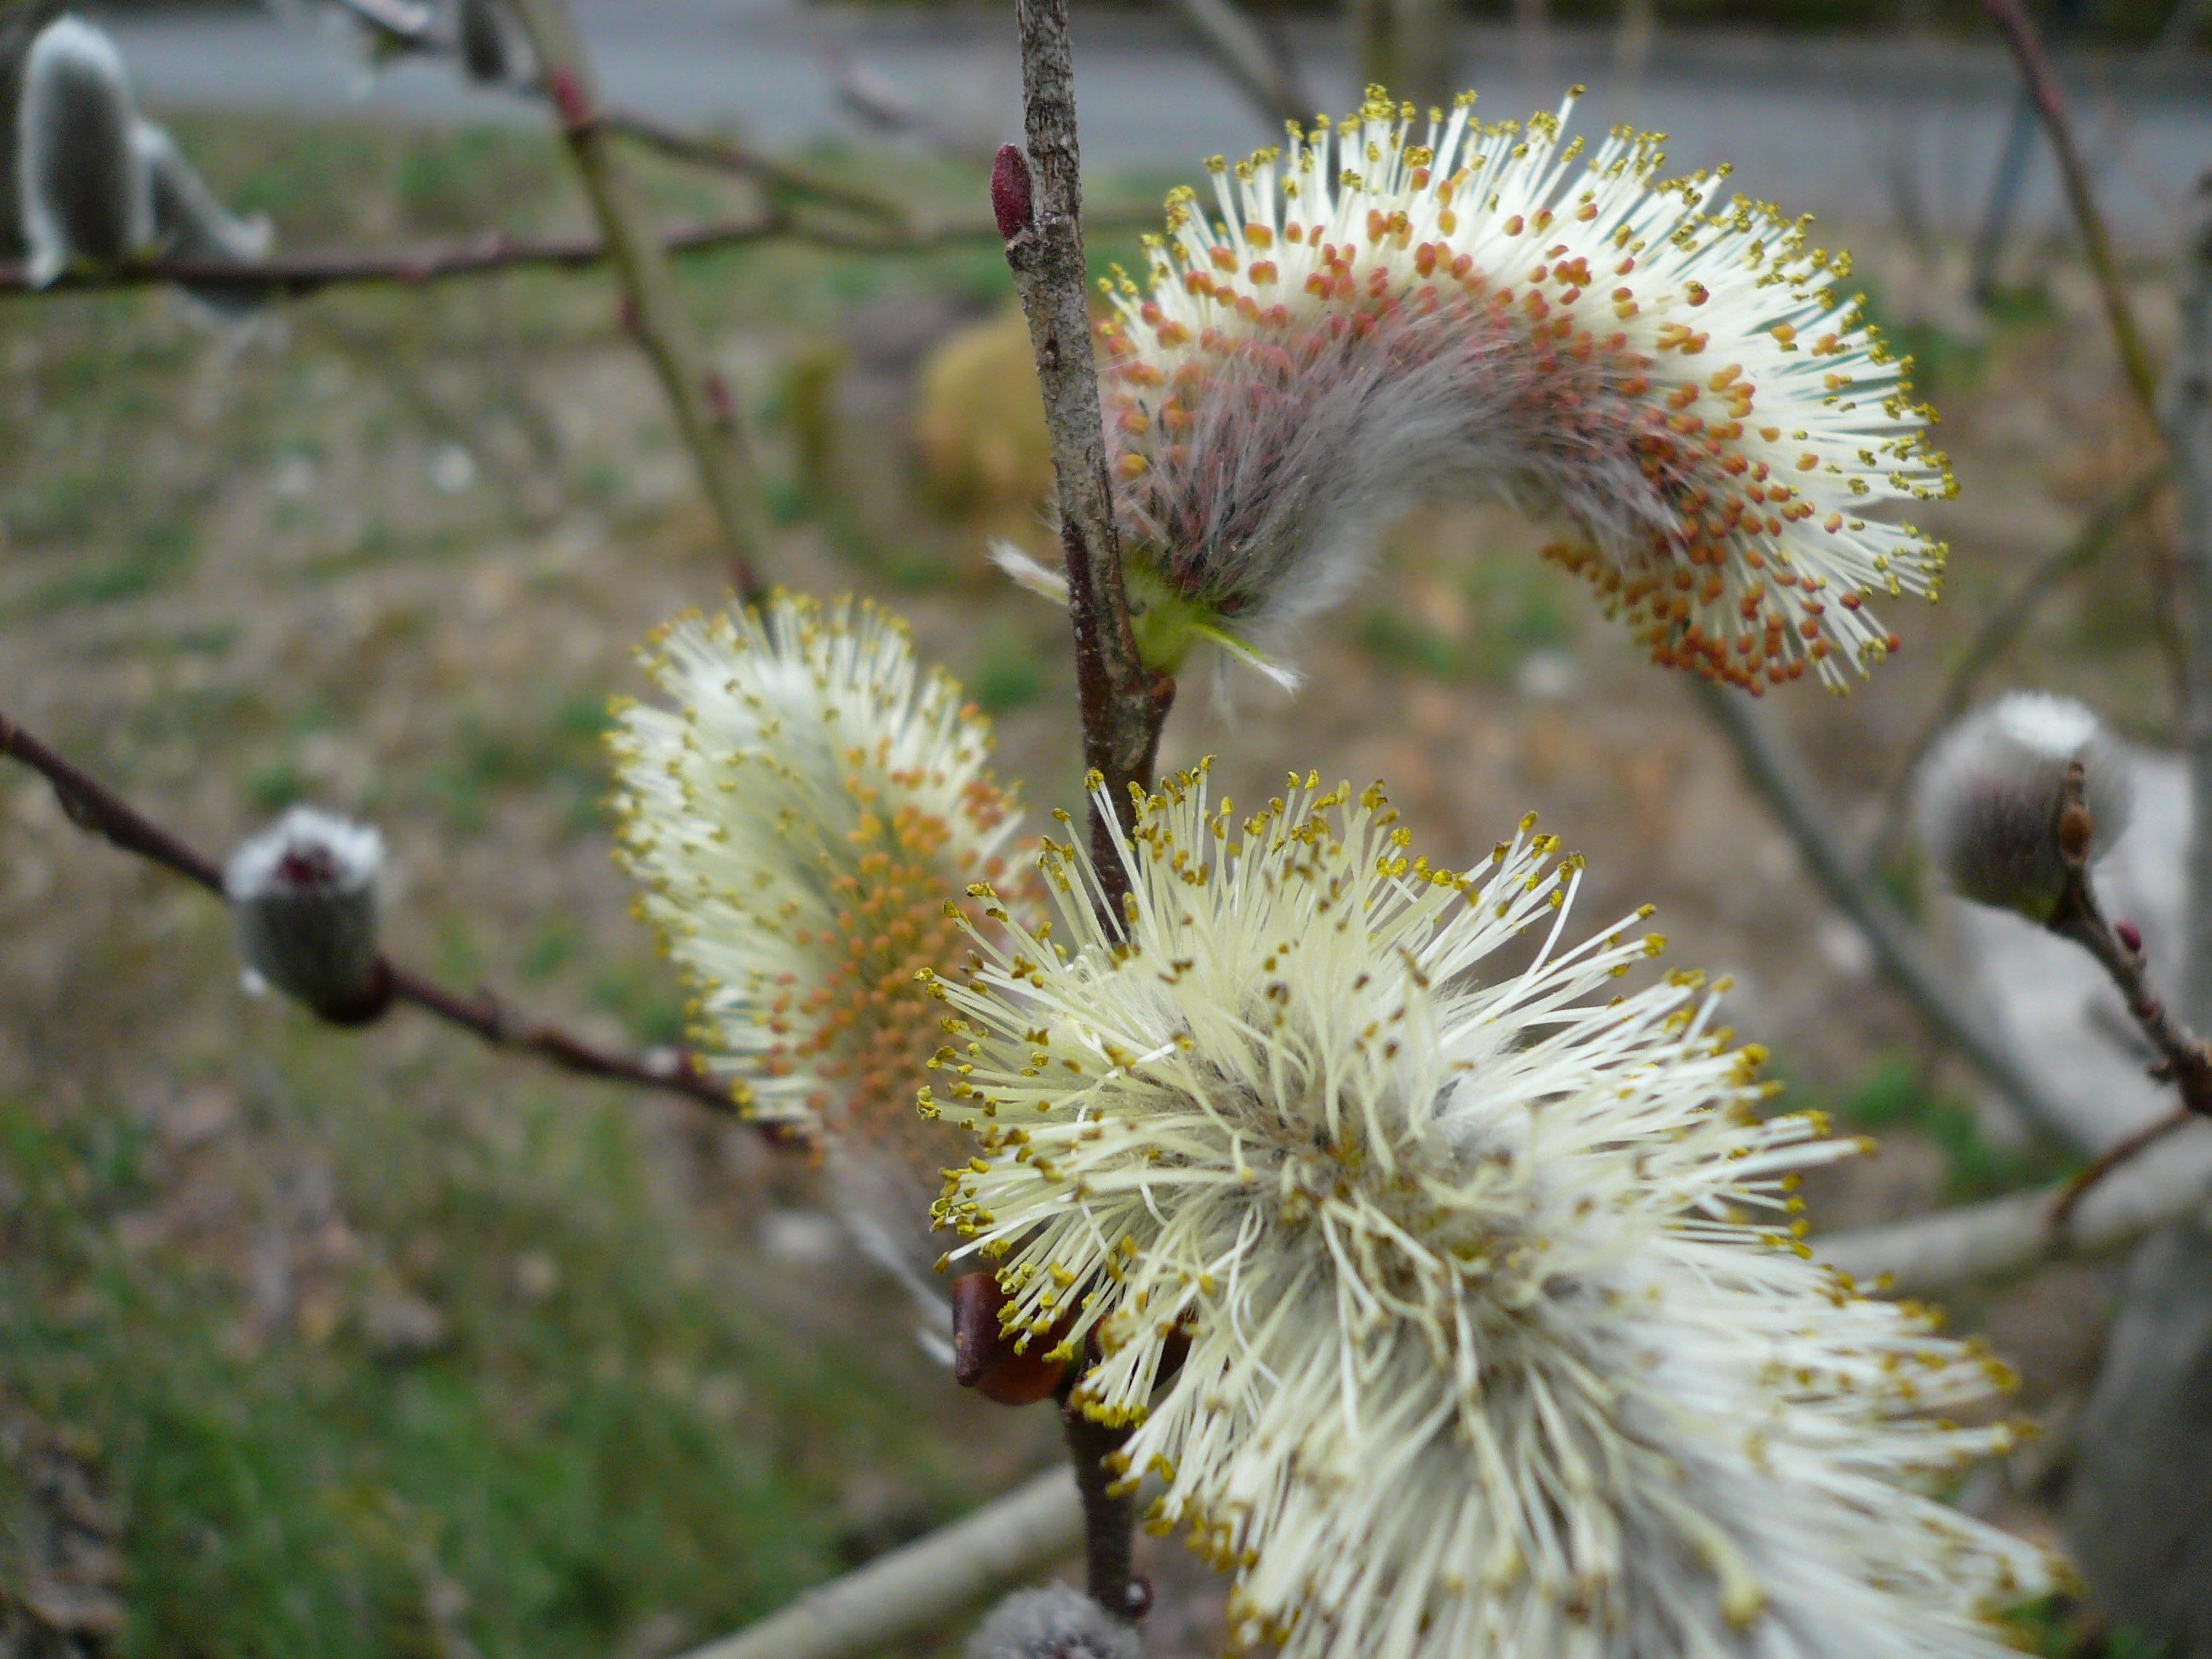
<point x="2042" y="81"/>
<point x="96" y="809"/>
<point x="297" y="275"/>
<point x="1038" y="201"/>
<point x="2013" y="1235"/>
<point x="1773" y="766"/>
<point x="883" y="1606"/>
<point x="2189" y="440"/>
<point x="2184" y="1059"/>
<point x="99" y="811"/>
<point x="727" y="154"/>
<point x="1993" y="637"/>
<point x="724" y="154"/>
<point x="706" y="412"/>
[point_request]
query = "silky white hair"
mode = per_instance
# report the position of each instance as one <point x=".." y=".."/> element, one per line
<point x="1302" y="456"/>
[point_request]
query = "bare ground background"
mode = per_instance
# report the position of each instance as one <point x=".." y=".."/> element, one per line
<point x="318" y="1343"/>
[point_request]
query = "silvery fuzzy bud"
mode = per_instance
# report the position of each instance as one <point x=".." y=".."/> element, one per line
<point x="304" y="892"/>
<point x="1057" y="1621"/>
<point x="1991" y="792"/>
<point x="82" y="188"/>
<point x="190" y="223"/>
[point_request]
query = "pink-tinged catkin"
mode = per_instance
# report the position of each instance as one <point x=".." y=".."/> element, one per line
<point x="1372" y="321"/>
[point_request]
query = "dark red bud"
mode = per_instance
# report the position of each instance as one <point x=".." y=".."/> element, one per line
<point x="626" y="312"/>
<point x="2131" y="936"/>
<point x="307" y="867"/>
<point x="567" y="92"/>
<point x="983" y="1356"/>
<point x="1010" y="192"/>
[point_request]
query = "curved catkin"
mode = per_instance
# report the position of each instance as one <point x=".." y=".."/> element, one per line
<point x="1384" y="313"/>
<point x="1457" y="1309"/>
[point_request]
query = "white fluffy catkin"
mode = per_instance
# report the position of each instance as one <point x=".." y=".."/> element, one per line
<point x="82" y="184"/>
<point x="1057" y="1621"/>
<point x="1988" y="798"/>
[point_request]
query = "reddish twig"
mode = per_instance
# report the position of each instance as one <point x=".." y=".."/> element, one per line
<point x="2184" y="1059"/>
<point x="2123" y="1151"/>
<point x="2042" y="81"/>
<point x="1123" y="704"/>
<point x="92" y="806"/>
<point x="99" y="811"/>
<point x="727" y="154"/>
<point x="293" y="275"/>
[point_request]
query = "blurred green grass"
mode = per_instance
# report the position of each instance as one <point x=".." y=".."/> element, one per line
<point x="563" y="1463"/>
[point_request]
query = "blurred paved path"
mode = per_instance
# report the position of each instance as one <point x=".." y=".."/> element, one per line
<point x="1829" y="128"/>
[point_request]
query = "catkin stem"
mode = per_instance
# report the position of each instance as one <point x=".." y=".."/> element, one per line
<point x="1039" y="200"/>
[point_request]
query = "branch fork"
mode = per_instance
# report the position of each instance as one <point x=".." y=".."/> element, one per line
<point x="2184" y="1059"/>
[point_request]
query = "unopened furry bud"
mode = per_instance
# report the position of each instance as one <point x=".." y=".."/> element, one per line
<point x="1991" y="799"/>
<point x="1057" y="1621"/>
<point x="82" y="186"/>
<point x="304" y="892"/>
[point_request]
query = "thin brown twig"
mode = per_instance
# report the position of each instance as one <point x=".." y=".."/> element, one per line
<point x="297" y="275"/>
<point x="94" y="807"/>
<point x="1037" y="201"/>
<point x="728" y="155"/>
<point x="99" y="811"/>
<point x="1996" y="634"/>
<point x="2189" y="440"/>
<point x="705" y="408"/>
<point x="2184" y="1060"/>
<point x="1122" y="703"/>
<point x="2125" y="1150"/>
<point x="2012" y="21"/>
<point x="717" y="151"/>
